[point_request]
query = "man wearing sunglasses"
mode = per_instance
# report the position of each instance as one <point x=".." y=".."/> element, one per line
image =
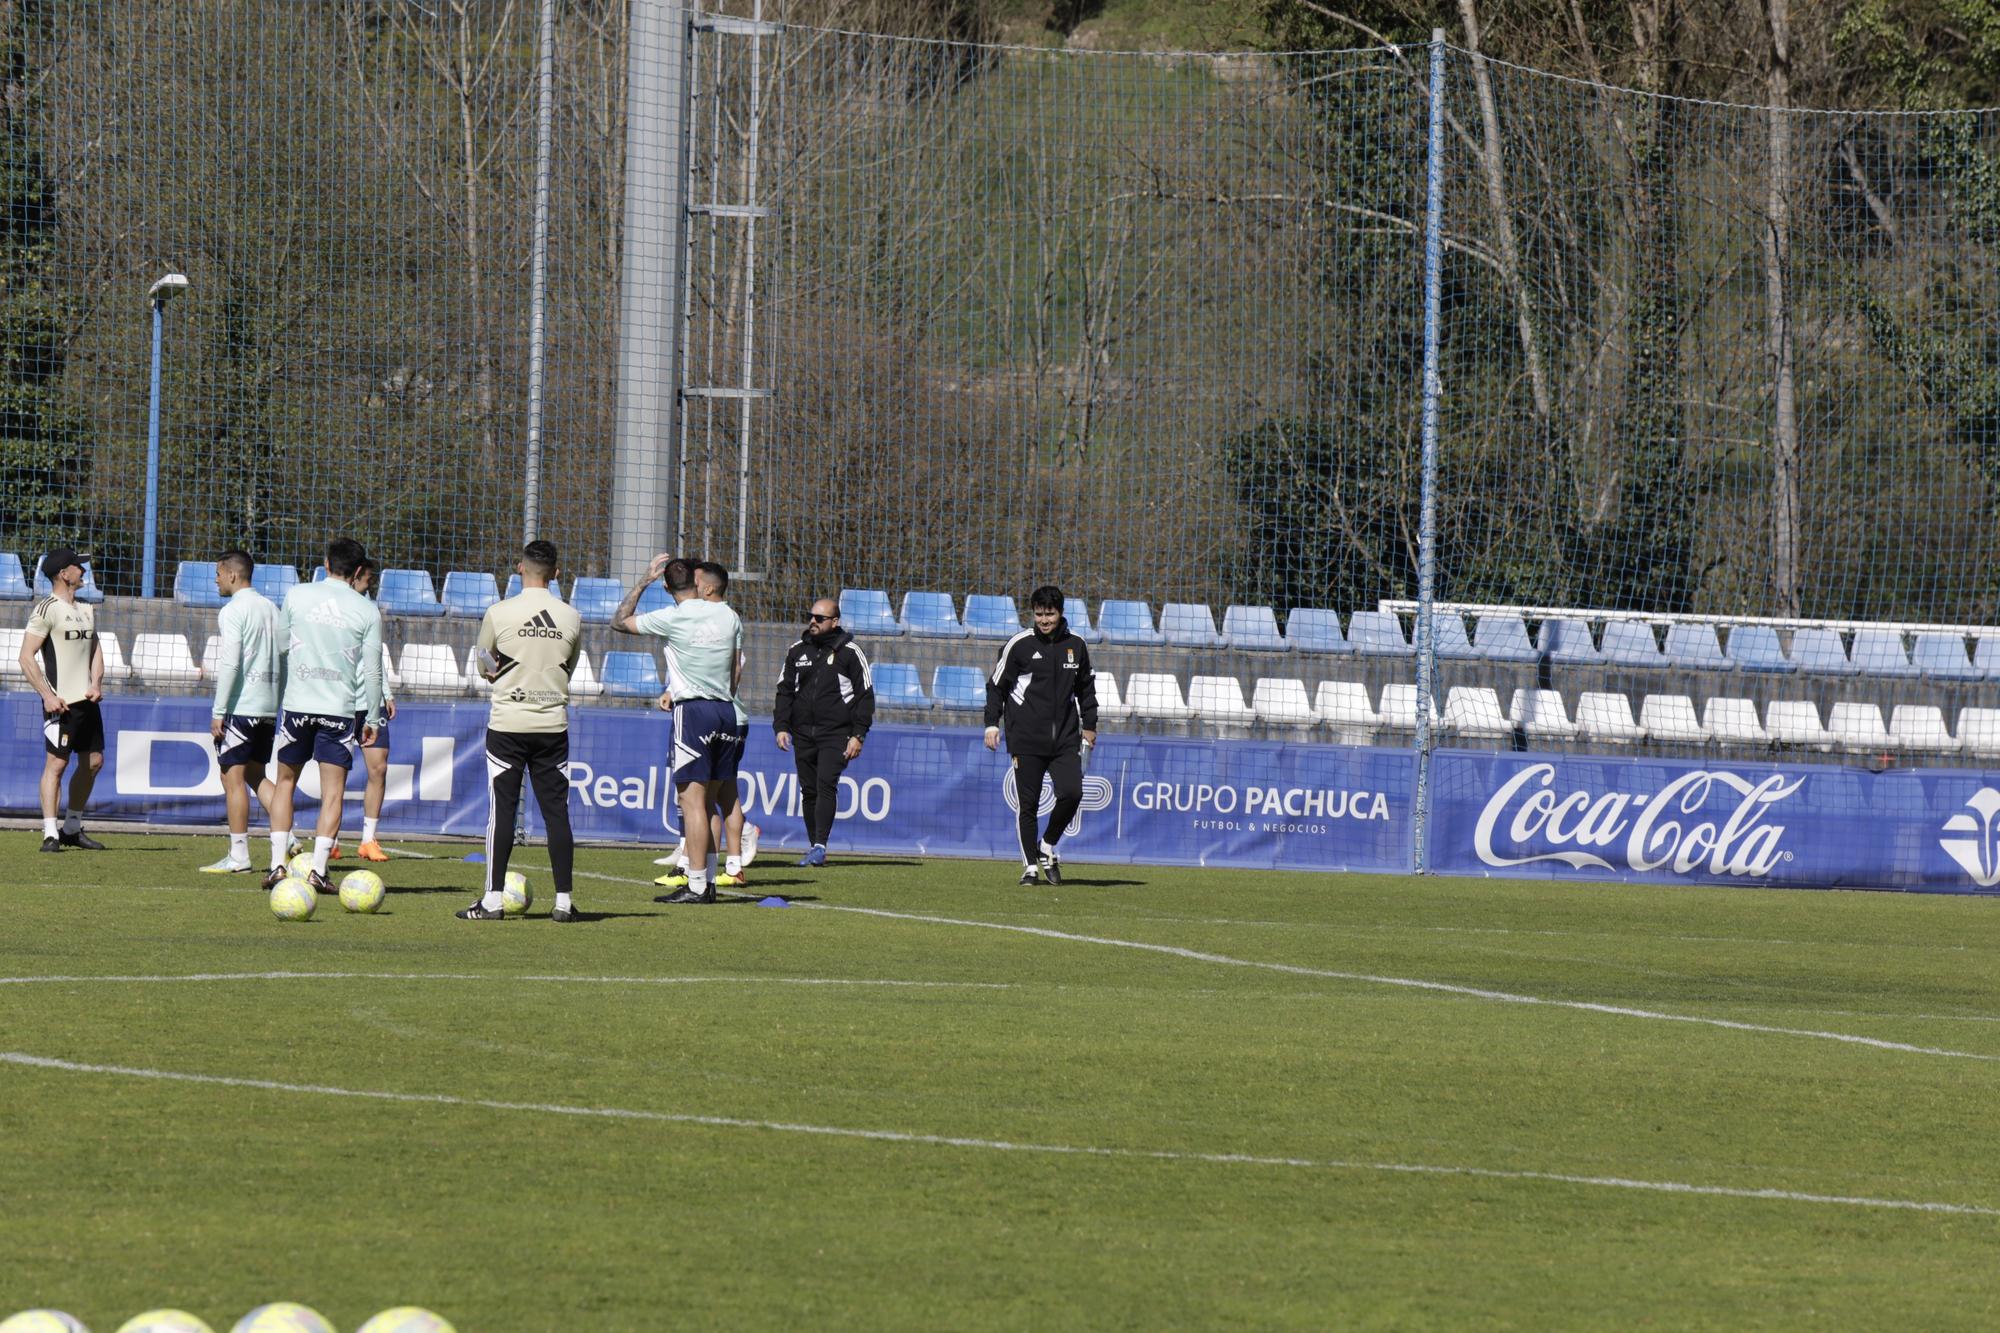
<point x="826" y="701"/>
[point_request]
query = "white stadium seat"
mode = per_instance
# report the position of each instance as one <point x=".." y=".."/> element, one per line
<point x="1282" y="701"/>
<point x="116" y="668"/>
<point x="1156" y="695"/>
<point x="583" y="682"/>
<point x="474" y="681"/>
<point x="1605" y="716"/>
<point x="431" y="668"/>
<point x="1858" y="728"/>
<point x="1796" y="722"/>
<point x="1398" y="708"/>
<point x="1109" y="702"/>
<point x="1921" y="727"/>
<point x="1734" y="722"/>
<point x="209" y="652"/>
<point x="1541" y="715"/>
<point x="1343" y="705"/>
<point x="163" y="659"/>
<point x="1219" y="699"/>
<point x="10" y="652"/>
<point x="392" y="677"/>
<point x="1473" y="712"/>
<point x="1671" y="718"/>
<point x="1979" y="730"/>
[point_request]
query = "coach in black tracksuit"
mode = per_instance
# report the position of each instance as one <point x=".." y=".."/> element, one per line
<point x="826" y="701"/>
<point x="1042" y="685"/>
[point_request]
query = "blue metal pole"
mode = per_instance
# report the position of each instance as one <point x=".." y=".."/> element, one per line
<point x="1427" y="529"/>
<point x="153" y="457"/>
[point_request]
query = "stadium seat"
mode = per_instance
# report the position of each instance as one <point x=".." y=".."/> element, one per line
<point x="1631" y="643"/>
<point x="1078" y="616"/>
<point x="116" y="668"/>
<point x="930" y="615"/>
<point x="1503" y="638"/>
<point x="89" y="592"/>
<point x="1253" y="628"/>
<point x="475" y="679"/>
<point x="1943" y="657"/>
<point x="1128" y="622"/>
<point x="1110" y="703"/>
<point x="1565" y="639"/>
<point x="10" y="652"/>
<point x="1978" y="729"/>
<point x="897" y="685"/>
<point x="1189" y="625"/>
<point x="596" y="600"/>
<point x="1921" y="727"/>
<point x="209" y="650"/>
<point x="1398" y="708"/>
<point x="992" y="617"/>
<point x="1605" y="716"/>
<point x="408" y="592"/>
<point x="13" y="579"/>
<point x="274" y="581"/>
<point x="162" y="659"/>
<point x="1448" y="629"/>
<point x="960" y="688"/>
<point x="514" y="588"/>
<point x="1219" y="699"/>
<point x="652" y="598"/>
<point x="1473" y="713"/>
<point x="467" y="595"/>
<point x="431" y="668"/>
<point x="1986" y="656"/>
<point x="583" y="682"/>
<point x="1880" y="652"/>
<point x="1155" y="695"/>
<point x="1820" y="652"/>
<point x="1796" y="722"/>
<point x="1733" y="722"/>
<point x="1378" y="634"/>
<point x="194" y="584"/>
<point x="1857" y="728"/>
<point x="1312" y="629"/>
<point x="392" y="679"/>
<point x="1756" y="648"/>
<point x="626" y="674"/>
<point x="1282" y="701"/>
<point x="319" y="574"/>
<point x="1670" y="718"/>
<point x="1695" y="647"/>
<point x="1343" y="705"/>
<point x="866" y="611"/>
<point x="1541" y="715"/>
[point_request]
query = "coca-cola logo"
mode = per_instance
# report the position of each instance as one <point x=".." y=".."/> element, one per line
<point x="1672" y="829"/>
<point x="1977" y="848"/>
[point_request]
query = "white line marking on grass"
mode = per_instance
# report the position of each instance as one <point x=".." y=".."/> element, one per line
<point x="482" y="976"/>
<point x="23" y="1060"/>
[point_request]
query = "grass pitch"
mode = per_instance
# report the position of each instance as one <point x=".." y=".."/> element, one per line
<point x="899" y="1117"/>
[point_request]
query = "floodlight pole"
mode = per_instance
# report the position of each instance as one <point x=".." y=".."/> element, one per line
<point x="163" y="291"/>
<point x="1420" y="815"/>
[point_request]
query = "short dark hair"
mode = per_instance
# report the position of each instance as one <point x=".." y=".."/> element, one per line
<point x="366" y="566"/>
<point x="343" y="556"/>
<point x="541" y="557"/>
<point x="1048" y="597"/>
<point x="237" y="562"/>
<point x="714" y="571"/>
<point x="678" y="575"/>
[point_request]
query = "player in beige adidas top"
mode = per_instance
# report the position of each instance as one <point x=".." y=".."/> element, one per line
<point x="61" y="658"/>
<point x="529" y="645"/>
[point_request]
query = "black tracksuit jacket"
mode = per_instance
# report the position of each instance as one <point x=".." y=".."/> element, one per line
<point x="1044" y="688"/>
<point x="826" y="690"/>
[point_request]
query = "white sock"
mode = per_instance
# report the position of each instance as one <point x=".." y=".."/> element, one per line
<point x="1029" y="867"/>
<point x="1048" y="851"/>
<point x="735" y="866"/>
<point x="368" y="828"/>
<point x="698" y="881"/>
<point x="49" y="828"/>
<point x="562" y="902"/>
<point x="281" y="843"/>
<point x="239" y="847"/>
<point x="492" y="901"/>
<point x="72" y="823"/>
<point x="322" y="851"/>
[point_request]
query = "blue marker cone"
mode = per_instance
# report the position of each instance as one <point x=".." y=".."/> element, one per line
<point x="773" y="901"/>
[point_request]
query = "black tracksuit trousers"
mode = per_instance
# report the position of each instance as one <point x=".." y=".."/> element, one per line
<point x="1065" y="771"/>
<point x="820" y="762"/>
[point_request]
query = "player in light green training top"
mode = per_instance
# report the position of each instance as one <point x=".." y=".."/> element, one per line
<point x="245" y="713"/>
<point x="332" y="645"/>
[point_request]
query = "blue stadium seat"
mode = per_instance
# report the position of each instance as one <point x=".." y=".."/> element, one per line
<point x="89" y="592"/>
<point x="1314" y="629"/>
<point x="274" y="581"/>
<point x="13" y="579"/>
<point x="596" y="599"/>
<point x="1880" y="652"/>
<point x="654" y="598"/>
<point x="1695" y="646"/>
<point x="1078" y="616"/>
<point x="1756" y="648"/>
<point x="1942" y="657"/>
<point x="194" y="584"/>
<point x="319" y="574"/>
<point x="897" y="686"/>
<point x="1503" y="638"/>
<point x="1128" y="622"/>
<point x="1379" y="634"/>
<point x="630" y="675"/>
<point x="961" y="688"/>
<point x="866" y="611"/>
<point x="1631" y="643"/>
<point x="930" y="615"/>
<point x="1566" y="639"/>
<point x="408" y="592"/>
<point x="1820" y="652"/>
<point x="1254" y="628"/>
<point x="1189" y="625"/>
<point x="514" y="587"/>
<point x="1452" y="640"/>
<point x="468" y="595"/>
<point x="991" y="617"/>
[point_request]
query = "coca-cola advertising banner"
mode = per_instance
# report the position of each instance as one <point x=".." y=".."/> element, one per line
<point x="1596" y="818"/>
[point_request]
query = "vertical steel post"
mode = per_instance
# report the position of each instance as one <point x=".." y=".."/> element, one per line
<point x="149" y="568"/>
<point x="538" y="265"/>
<point x="1433" y="388"/>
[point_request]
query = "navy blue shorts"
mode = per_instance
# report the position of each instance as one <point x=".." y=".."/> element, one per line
<point x="303" y="736"/>
<point x="381" y="732"/>
<point x="245" y="740"/>
<point x="708" y="743"/>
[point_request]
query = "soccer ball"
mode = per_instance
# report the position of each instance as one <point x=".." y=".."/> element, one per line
<point x="301" y="866"/>
<point x="293" y="900"/>
<point x="283" y="1317"/>
<point x="164" y="1321"/>
<point x="406" y="1319"/>
<point x="42" y="1321"/>
<point x="515" y="895"/>
<point x="361" y="891"/>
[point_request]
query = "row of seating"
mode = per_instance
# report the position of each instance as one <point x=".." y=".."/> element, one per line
<point x="16" y="586"/>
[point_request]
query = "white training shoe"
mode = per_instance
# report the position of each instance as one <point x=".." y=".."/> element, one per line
<point x="226" y="867"/>
<point x="750" y="836"/>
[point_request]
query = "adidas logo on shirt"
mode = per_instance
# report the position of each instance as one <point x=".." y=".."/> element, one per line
<point x="1035" y="656"/>
<point x="541" y="626"/>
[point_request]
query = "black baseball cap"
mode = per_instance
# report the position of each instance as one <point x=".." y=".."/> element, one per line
<point x="57" y="560"/>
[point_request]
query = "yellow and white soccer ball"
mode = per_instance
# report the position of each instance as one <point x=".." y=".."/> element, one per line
<point x="42" y="1321"/>
<point x="406" y="1319"/>
<point x="283" y="1317"/>
<point x="515" y="895"/>
<point x="293" y="900"/>
<point x="361" y="891"/>
<point x="301" y="866"/>
<point x="164" y="1321"/>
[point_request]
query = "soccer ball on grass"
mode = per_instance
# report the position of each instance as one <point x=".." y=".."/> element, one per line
<point x="293" y="900"/>
<point x="361" y="891"/>
<point x="283" y="1317"/>
<point x="515" y="895"/>
<point x="301" y="866"/>
<point x="42" y="1321"/>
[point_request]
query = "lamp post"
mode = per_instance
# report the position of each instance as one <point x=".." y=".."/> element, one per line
<point x="165" y="290"/>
